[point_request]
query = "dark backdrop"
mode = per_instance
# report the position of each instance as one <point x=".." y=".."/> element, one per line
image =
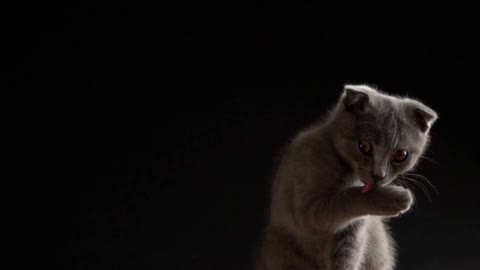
<point x="142" y="136"/>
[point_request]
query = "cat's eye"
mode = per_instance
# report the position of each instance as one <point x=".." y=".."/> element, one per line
<point x="365" y="147"/>
<point x="400" y="155"/>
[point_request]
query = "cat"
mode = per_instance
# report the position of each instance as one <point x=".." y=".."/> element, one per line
<point x="333" y="188"/>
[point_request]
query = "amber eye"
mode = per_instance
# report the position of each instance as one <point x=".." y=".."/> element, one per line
<point x="400" y="155"/>
<point x="365" y="147"/>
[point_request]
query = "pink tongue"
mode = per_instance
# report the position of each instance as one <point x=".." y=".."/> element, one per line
<point x="368" y="187"/>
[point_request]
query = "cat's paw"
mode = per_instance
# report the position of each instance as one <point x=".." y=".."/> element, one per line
<point x="393" y="200"/>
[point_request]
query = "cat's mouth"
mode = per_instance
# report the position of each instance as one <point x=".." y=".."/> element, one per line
<point x="368" y="186"/>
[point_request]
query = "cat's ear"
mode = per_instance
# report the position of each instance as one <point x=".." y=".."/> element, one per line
<point x="424" y="118"/>
<point x="355" y="100"/>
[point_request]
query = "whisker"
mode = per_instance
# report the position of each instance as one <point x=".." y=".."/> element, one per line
<point x="398" y="181"/>
<point x="420" y="185"/>
<point x="423" y="178"/>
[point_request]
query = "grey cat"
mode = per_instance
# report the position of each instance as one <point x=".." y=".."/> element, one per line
<point x="333" y="188"/>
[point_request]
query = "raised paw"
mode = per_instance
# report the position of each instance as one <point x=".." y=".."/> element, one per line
<point x="392" y="200"/>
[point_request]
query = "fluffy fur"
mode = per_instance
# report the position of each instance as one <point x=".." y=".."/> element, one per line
<point x="319" y="217"/>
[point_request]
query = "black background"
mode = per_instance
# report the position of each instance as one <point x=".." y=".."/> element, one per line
<point x="142" y="136"/>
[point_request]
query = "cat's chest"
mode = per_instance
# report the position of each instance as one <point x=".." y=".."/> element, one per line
<point x="355" y="234"/>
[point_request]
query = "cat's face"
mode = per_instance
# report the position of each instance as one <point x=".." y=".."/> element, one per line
<point x="382" y="151"/>
<point x="383" y="136"/>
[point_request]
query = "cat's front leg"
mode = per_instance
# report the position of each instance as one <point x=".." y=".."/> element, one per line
<point x="388" y="200"/>
<point x="334" y="212"/>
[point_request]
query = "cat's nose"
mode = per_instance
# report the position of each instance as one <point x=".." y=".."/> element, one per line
<point x="377" y="177"/>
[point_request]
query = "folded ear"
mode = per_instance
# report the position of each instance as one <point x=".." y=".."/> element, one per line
<point x="424" y="118"/>
<point x="355" y="100"/>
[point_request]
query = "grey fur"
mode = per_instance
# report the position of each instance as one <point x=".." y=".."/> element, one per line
<point x="319" y="218"/>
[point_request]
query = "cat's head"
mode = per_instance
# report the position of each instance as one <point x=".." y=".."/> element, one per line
<point x="381" y="136"/>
